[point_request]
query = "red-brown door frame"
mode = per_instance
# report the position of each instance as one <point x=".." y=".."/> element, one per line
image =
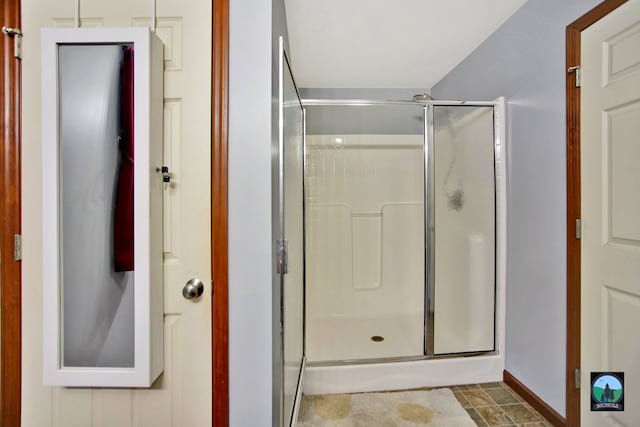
<point x="219" y="234"/>
<point x="10" y="199"/>
<point x="573" y="34"/>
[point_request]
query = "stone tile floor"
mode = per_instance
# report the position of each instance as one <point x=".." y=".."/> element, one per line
<point x="496" y="404"/>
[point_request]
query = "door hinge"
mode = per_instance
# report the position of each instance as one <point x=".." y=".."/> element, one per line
<point x="17" y="247"/>
<point x="577" y="70"/>
<point x="578" y="229"/>
<point x="16" y="35"/>
<point x="283" y="255"/>
<point x="577" y="377"/>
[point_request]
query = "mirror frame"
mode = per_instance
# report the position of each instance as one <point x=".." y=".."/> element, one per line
<point x="148" y="188"/>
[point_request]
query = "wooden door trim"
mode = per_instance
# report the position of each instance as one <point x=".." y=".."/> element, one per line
<point x="10" y="216"/>
<point x="573" y="34"/>
<point x="219" y="216"/>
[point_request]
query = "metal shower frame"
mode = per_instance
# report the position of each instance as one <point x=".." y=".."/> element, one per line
<point x="429" y="229"/>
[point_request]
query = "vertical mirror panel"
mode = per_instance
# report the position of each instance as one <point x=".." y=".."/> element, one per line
<point x="365" y="250"/>
<point x="293" y="280"/>
<point x="464" y="219"/>
<point x="95" y="89"/>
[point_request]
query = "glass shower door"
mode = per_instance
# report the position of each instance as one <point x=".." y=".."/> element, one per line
<point x="291" y="246"/>
<point x="364" y="207"/>
<point x="463" y="217"/>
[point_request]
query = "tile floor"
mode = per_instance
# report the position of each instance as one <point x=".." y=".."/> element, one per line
<point x="496" y="404"/>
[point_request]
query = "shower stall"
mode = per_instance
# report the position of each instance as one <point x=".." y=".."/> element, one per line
<point x="400" y="230"/>
<point x="397" y="217"/>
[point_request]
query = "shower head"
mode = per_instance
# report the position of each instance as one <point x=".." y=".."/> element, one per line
<point x="422" y="97"/>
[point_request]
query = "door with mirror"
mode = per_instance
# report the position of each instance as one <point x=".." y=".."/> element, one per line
<point x="182" y="394"/>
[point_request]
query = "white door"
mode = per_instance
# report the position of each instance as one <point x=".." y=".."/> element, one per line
<point x="181" y="397"/>
<point x="610" y="159"/>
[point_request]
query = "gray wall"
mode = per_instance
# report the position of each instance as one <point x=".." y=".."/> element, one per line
<point x="383" y="120"/>
<point x="401" y="94"/>
<point x="250" y="330"/>
<point x="254" y="371"/>
<point x="524" y="60"/>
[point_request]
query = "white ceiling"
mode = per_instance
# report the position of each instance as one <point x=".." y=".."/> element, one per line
<point x="384" y="43"/>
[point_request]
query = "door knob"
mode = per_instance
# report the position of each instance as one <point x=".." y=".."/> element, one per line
<point x="193" y="289"/>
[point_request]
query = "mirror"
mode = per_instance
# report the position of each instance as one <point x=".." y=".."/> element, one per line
<point x="96" y="206"/>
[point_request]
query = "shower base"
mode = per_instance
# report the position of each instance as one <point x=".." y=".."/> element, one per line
<point x="403" y="375"/>
<point x="332" y="340"/>
<point x="342" y="338"/>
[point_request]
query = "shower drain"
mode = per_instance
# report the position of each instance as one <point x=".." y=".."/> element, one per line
<point x="377" y="338"/>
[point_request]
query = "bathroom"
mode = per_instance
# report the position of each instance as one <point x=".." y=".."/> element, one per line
<point x="392" y="227"/>
<point x="370" y="300"/>
<point x="350" y="375"/>
<point x="522" y="68"/>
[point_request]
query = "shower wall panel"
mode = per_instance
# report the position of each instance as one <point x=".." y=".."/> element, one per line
<point x="364" y="199"/>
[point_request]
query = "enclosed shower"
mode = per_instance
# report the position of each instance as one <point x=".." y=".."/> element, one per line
<point x="391" y="243"/>
<point x="399" y="229"/>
